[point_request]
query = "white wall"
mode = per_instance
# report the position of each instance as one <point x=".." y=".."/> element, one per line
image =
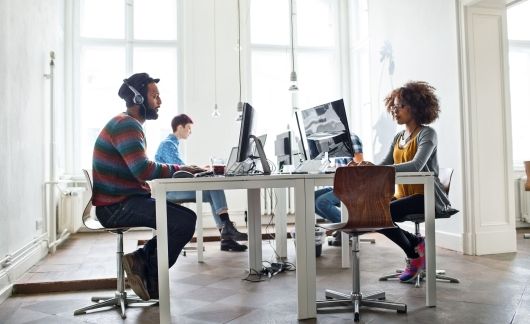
<point x="423" y="35"/>
<point x="212" y="137"/>
<point x="29" y="30"/>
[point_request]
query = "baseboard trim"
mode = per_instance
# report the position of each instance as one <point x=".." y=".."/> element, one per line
<point x="19" y="267"/>
<point x="64" y="286"/>
<point x="446" y="240"/>
<point x="496" y="242"/>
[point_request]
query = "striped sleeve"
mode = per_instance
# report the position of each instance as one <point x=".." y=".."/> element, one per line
<point x="129" y="140"/>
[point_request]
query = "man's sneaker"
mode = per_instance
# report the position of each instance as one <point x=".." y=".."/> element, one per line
<point x="229" y="232"/>
<point x="413" y="269"/>
<point x="152" y="287"/>
<point x="231" y="245"/>
<point x="134" y="267"/>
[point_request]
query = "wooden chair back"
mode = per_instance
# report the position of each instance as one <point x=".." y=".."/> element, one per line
<point x="366" y="191"/>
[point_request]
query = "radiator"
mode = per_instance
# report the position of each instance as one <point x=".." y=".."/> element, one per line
<point x="70" y="210"/>
<point x="524" y="200"/>
<point x="270" y="201"/>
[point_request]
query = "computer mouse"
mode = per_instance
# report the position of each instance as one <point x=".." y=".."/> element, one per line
<point x="182" y="174"/>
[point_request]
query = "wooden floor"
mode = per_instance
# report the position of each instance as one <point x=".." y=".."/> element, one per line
<point x="493" y="289"/>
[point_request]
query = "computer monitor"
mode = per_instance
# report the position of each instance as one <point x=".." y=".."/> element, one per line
<point x="247" y="128"/>
<point x="248" y="140"/>
<point x="326" y="130"/>
<point x="282" y="149"/>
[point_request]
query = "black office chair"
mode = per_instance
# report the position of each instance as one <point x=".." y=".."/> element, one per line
<point x="366" y="191"/>
<point x="120" y="299"/>
<point x="445" y="175"/>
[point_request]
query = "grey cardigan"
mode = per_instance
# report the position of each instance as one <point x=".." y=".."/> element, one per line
<point x="425" y="160"/>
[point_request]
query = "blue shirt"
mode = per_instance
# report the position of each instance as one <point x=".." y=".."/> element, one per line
<point x="168" y="151"/>
<point x="357" y="144"/>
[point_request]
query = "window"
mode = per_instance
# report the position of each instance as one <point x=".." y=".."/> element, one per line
<point x="519" y="59"/>
<point x="114" y="39"/>
<point x="362" y="119"/>
<point x="317" y="58"/>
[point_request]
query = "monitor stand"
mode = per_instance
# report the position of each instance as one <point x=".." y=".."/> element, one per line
<point x="261" y="155"/>
<point x="249" y="165"/>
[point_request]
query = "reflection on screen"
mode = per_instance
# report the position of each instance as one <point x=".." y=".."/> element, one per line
<point x="326" y="130"/>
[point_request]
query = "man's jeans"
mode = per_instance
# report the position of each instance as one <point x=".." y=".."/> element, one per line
<point x="216" y="199"/>
<point x="139" y="211"/>
<point x="327" y="205"/>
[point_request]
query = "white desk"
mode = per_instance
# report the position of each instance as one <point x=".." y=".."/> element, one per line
<point x="304" y="225"/>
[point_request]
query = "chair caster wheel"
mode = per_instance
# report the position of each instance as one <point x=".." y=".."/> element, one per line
<point x="404" y="311"/>
<point x="356" y="317"/>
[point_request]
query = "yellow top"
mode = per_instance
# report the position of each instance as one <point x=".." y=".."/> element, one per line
<point x="404" y="154"/>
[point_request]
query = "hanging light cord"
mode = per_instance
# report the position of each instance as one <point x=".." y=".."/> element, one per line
<point x="292" y="35"/>
<point x="214" y="53"/>
<point x="239" y="43"/>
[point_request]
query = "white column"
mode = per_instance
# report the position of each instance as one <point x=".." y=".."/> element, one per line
<point x="488" y="191"/>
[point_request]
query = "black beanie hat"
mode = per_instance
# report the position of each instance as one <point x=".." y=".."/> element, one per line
<point x="139" y="81"/>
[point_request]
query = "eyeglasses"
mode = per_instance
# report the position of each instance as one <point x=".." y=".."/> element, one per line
<point x="396" y="107"/>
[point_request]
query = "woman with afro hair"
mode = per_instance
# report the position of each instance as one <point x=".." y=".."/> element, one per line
<point x="413" y="149"/>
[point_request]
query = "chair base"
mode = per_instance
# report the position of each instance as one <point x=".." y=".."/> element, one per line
<point x="335" y="299"/>
<point x="120" y="300"/>
<point x="367" y="240"/>
<point x="187" y="249"/>
<point x="440" y="276"/>
<point x="526" y="236"/>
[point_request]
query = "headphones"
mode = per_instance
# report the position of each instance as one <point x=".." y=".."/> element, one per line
<point x="138" y="99"/>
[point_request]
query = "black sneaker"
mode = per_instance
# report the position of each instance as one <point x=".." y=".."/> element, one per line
<point x="152" y="287"/>
<point x="229" y="232"/>
<point x="231" y="245"/>
<point x="134" y="267"/>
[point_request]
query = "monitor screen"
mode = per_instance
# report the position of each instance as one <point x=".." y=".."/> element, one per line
<point x="326" y="130"/>
<point x="282" y="149"/>
<point x="282" y="145"/>
<point x="247" y="129"/>
<point x="299" y="138"/>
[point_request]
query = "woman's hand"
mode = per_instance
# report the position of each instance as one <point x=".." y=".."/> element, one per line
<point x="353" y="163"/>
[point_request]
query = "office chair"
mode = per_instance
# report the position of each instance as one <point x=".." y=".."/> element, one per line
<point x="366" y="191"/>
<point x="527" y="187"/>
<point x="445" y="175"/>
<point x="120" y="299"/>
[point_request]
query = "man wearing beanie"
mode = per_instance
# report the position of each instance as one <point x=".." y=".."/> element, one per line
<point x="121" y="194"/>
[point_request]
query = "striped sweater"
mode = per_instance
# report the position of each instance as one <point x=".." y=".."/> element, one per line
<point x="120" y="166"/>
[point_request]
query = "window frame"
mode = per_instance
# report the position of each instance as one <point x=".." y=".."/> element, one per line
<point x="340" y="51"/>
<point x="73" y="55"/>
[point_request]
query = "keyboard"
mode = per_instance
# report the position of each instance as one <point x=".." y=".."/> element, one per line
<point x="203" y="174"/>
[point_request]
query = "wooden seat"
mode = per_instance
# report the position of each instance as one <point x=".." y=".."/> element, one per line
<point x="366" y="191"/>
<point x="120" y="299"/>
<point x="445" y="175"/>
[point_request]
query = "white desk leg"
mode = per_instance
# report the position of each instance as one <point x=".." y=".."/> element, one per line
<point x="163" y="263"/>
<point x="280" y="222"/>
<point x="430" y="245"/>
<point x="254" y="229"/>
<point x="199" y="231"/>
<point x="305" y="247"/>
<point x="345" y="239"/>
